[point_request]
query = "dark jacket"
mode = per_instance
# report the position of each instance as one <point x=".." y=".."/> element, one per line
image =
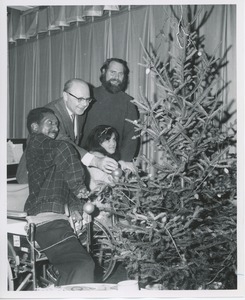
<point x="66" y="133"/>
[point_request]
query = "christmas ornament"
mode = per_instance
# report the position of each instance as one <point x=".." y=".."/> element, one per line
<point x="88" y="207"/>
<point x="117" y="173"/>
<point x="226" y="170"/>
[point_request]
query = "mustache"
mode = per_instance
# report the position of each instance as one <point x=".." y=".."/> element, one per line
<point x="117" y="80"/>
<point x="110" y="87"/>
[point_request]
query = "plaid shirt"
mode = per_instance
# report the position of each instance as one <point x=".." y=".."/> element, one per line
<point x="55" y="175"/>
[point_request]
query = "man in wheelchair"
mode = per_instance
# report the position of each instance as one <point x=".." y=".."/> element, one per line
<point x="56" y="179"/>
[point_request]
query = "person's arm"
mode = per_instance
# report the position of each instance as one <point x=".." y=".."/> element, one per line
<point x="67" y="161"/>
<point x="106" y="164"/>
<point x="98" y="179"/>
<point x="64" y="137"/>
<point x="97" y="176"/>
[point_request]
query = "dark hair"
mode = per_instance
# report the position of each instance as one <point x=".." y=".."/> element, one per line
<point x="97" y="136"/>
<point x="36" y="115"/>
<point x="106" y="64"/>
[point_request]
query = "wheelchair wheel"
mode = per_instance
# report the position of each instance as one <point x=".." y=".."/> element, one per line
<point x="101" y="251"/>
<point x="101" y="248"/>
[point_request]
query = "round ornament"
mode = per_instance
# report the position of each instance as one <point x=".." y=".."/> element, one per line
<point x="117" y="173"/>
<point x="88" y="207"/>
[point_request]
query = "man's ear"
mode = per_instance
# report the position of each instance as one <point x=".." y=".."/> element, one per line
<point x="35" y="127"/>
<point x="65" y="96"/>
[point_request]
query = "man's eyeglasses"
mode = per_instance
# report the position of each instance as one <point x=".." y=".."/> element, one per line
<point x="81" y="99"/>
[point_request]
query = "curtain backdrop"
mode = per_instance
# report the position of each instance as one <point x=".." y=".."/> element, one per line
<point x="40" y="64"/>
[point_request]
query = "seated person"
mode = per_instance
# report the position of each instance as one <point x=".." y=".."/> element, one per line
<point x="56" y="179"/>
<point x="103" y="141"/>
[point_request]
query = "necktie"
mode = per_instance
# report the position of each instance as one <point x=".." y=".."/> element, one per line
<point x="74" y="122"/>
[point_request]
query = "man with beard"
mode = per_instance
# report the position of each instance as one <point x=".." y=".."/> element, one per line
<point x="112" y="107"/>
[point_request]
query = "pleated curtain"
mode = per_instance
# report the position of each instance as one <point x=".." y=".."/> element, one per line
<point x="49" y="46"/>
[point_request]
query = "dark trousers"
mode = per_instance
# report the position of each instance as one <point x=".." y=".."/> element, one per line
<point x="73" y="262"/>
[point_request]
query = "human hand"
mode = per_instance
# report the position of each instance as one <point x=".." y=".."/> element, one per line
<point x="128" y="166"/>
<point x="76" y="219"/>
<point x="100" y="186"/>
<point x="83" y="193"/>
<point x="106" y="164"/>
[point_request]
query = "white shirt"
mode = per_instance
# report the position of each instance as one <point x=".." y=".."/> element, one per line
<point x="88" y="157"/>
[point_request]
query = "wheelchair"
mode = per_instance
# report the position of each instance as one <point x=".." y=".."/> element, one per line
<point x="28" y="268"/>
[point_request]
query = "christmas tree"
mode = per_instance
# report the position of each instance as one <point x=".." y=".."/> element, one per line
<point x="179" y="228"/>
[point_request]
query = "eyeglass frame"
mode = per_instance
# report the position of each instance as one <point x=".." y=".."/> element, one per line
<point x="81" y="99"/>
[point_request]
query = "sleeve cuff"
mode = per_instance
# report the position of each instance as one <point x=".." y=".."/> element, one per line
<point x="87" y="158"/>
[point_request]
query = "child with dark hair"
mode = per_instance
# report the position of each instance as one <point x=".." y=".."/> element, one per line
<point x="96" y="141"/>
<point x="103" y="141"/>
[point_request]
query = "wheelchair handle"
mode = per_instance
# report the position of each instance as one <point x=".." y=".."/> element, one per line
<point x="32" y="232"/>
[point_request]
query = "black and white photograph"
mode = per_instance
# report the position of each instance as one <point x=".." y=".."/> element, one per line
<point x="123" y="173"/>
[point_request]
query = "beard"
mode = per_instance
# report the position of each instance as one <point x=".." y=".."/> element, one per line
<point x="112" y="88"/>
